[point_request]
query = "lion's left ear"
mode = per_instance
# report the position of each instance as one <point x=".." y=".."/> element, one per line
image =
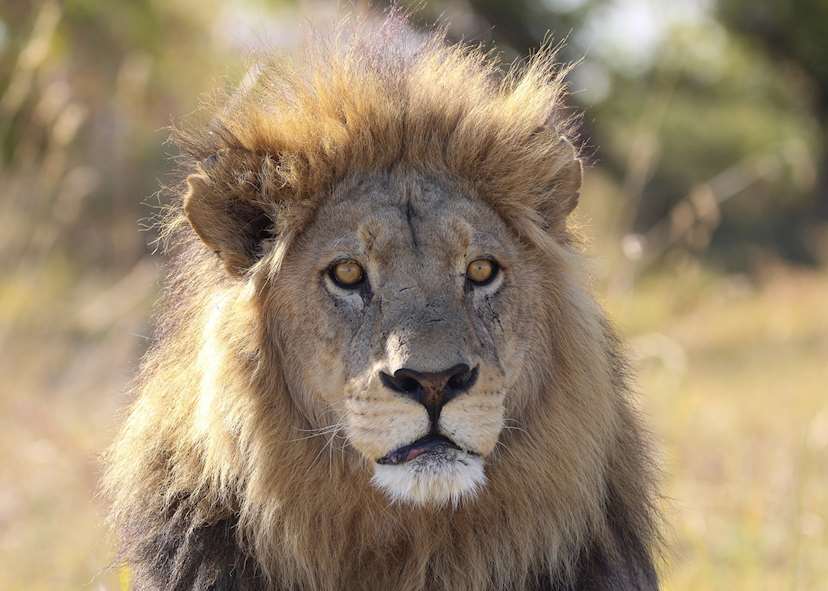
<point x="232" y="227"/>
<point x="565" y="188"/>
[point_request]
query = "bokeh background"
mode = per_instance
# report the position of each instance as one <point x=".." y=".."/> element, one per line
<point x="706" y="206"/>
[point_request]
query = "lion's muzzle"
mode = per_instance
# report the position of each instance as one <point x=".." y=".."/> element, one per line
<point x="435" y="468"/>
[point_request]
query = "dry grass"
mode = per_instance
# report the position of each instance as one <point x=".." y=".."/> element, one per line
<point x="68" y="369"/>
<point x="733" y="376"/>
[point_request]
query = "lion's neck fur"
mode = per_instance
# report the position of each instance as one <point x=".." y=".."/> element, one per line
<point x="220" y="432"/>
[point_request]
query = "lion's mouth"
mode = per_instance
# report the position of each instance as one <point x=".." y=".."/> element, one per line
<point x="431" y="443"/>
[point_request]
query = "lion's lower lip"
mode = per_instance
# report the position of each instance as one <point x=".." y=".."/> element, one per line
<point x="422" y="446"/>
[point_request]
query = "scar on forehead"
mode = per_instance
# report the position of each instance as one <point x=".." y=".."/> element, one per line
<point x="382" y="228"/>
<point x="377" y="230"/>
<point x="410" y="214"/>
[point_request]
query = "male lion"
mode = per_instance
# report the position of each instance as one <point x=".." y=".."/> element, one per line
<point x="379" y="367"/>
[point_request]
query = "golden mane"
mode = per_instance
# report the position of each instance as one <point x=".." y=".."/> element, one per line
<point x="375" y="95"/>
<point x="189" y="494"/>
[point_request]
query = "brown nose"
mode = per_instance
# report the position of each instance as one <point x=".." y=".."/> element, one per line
<point x="431" y="389"/>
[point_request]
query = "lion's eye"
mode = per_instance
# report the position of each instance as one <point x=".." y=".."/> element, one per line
<point x="482" y="271"/>
<point x="347" y="274"/>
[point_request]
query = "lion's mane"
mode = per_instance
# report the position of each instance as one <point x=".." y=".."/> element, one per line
<point x="246" y="502"/>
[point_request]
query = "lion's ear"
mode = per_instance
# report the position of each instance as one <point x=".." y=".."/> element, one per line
<point x="233" y="228"/>
<point x="566" y="187"/>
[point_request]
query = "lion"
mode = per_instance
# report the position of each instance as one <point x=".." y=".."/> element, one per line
<point x="378" y="364"/>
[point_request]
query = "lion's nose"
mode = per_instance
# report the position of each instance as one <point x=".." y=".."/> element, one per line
<point x="431" y="389"/>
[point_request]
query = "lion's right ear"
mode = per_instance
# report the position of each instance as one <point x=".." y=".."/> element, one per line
<point x="566" y="187"/>
<point x="231" y="227"/>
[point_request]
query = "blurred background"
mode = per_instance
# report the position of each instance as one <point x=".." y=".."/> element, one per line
<point x="706" y="206"/>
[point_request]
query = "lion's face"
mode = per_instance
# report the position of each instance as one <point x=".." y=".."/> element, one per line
<point x="403" y="331"/>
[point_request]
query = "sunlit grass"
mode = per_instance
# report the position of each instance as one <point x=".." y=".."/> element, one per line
<point x="66" y="375"/>
<point x="734" y="378"/>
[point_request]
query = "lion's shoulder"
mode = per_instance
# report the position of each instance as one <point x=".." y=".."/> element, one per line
<point x="180" y="553"/>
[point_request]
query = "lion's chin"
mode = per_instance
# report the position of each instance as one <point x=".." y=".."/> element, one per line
<point x="444" y="479"/>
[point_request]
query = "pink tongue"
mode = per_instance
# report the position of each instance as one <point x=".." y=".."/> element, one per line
<point x="415" y="452"/>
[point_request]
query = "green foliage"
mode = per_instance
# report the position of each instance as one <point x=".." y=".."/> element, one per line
<point x="87" y="90"/>
<point x="793" y="30"/>
<point x="710" y="104"/>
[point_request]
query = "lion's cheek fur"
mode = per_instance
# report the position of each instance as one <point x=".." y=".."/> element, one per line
<point x="474" y="422"/>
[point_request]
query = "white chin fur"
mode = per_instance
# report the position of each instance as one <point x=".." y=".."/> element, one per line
<point x="443" y="480"/>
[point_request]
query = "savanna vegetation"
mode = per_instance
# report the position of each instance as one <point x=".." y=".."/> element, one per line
<point x="705" y="210"/>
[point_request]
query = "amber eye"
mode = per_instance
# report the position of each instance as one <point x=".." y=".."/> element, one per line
<point x="482" y="271"/>
<point x="347" y="274"/>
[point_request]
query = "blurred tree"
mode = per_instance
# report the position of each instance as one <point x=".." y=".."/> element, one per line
<point x="712" y="116"/>
<point x="796" y="33"/>
<point x="86" y="89"/>
<point x="677" y="104"/>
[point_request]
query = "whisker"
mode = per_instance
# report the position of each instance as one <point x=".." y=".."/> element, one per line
<point x="515" y="427"/>
<point x="521" y="429"/>
<point x="506" y="449"/>
<point x="316" y="431"/>
<point x="332" y="429"/>
<point x="318" y="455"/>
